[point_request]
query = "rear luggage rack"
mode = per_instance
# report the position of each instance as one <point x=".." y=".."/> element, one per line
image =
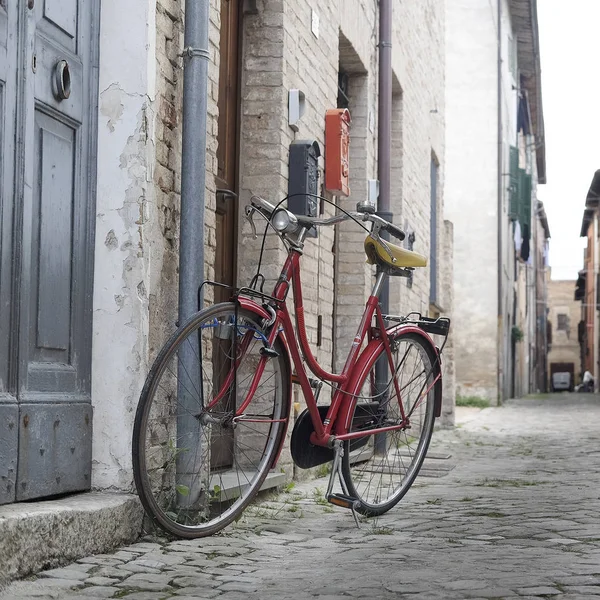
<point x="438" y="326"/>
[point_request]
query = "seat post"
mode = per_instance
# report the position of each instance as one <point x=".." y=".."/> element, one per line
<point x="381" y="275"/>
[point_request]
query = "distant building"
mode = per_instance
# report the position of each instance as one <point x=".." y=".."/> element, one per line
<point x="563" y="319"/>
<point x="495" y="158"/>
<point x="586" y="287"/>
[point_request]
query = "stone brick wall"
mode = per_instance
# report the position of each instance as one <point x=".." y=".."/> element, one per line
<point x="164" y="245"/>
<point x="280" y="51"/>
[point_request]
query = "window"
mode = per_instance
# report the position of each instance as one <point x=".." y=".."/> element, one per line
<point x="563" y="323"/>
<point x="433" y="235"/>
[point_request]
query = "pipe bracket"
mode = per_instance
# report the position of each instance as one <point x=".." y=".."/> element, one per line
<point x="190" y="52"/>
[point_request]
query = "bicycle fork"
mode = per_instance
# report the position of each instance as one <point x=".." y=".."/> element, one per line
<point x="344" y="500"/>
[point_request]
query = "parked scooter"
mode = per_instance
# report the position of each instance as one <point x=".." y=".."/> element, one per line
<point x="587" y="385"/>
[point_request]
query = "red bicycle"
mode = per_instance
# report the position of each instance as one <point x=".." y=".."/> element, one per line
<point x="215" y="408"/>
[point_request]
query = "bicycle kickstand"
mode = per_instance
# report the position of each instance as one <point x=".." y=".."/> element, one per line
<point x="344" y="500"/>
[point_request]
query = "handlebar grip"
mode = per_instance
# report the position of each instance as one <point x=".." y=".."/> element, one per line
<point x="393" y="230"/>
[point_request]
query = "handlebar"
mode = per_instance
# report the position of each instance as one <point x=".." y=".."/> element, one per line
<point x="268" y="209"/>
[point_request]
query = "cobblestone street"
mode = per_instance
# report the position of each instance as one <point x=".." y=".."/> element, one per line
<point x="510" y="508"/>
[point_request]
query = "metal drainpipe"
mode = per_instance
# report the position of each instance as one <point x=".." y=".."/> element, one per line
<point x="193" y="158"/>
<point x="500" y="335"/>
<point x="191" y="242"/>
<point x="384" y="148"/>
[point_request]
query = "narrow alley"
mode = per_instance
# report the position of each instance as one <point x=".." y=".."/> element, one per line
<point x="507" y="507"/>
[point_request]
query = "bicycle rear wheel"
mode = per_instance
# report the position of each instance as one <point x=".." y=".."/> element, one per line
<point x="197" y="461"/>
<point x="379" y="469"/>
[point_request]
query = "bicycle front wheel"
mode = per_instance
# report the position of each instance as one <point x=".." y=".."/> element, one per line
<point x="197" y="459"/>
<point x="379" y="469"/>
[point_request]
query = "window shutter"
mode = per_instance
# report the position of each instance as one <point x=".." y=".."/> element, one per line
<point x="513" y="209"/>
<point x="526" y="201"/>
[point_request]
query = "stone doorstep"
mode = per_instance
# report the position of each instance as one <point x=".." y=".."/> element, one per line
<point x="51" y="533"/>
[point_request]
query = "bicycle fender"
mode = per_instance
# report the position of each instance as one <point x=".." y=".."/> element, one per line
<point x="253" y="306"/>
<point x="367" y="359"/>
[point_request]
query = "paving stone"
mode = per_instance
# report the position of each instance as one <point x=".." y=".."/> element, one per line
<point x="97" y="591"/>
<point x="147" y="581"/>
<point x="145" y="596"/>
<point x="101" y="581"/>
<point x="196" y="593"/>
<point x="582" y="590"/>
<point x="66" y="573"/>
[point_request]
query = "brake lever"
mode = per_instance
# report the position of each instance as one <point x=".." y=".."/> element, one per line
<point x="375" y="232"/>
<point x="249" y="214"/>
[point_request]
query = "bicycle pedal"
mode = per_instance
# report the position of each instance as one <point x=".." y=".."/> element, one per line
<point x="270" y="352"/>
<point x="343" y="501"/>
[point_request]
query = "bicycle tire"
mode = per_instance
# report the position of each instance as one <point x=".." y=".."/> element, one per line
<point x="369" y="470"/>
<point x="196" y="469"/>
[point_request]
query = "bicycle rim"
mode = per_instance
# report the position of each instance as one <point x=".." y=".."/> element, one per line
<point x="379" y="469"/>
<point x="197" y="461"/>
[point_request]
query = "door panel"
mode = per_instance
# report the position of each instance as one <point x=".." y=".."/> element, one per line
<point x="53" y="196"/>
<point x="9" y="417"/>
<point x="53" y="438"/>
<point x="8" y="407"/>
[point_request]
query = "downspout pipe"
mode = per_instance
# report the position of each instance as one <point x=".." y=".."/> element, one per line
<point x="191" y="241"/>
<point x="384" y="151"/>
<point x="500" y="335"/>
<point x="193" y="160"/>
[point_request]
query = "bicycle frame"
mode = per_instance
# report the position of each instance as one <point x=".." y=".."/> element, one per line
<point x="338" y="417"/>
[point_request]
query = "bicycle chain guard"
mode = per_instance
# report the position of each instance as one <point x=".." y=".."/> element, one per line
<point x="306" y="455"/>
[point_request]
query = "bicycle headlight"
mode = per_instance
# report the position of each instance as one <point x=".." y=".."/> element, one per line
<point x="284" y="221"/>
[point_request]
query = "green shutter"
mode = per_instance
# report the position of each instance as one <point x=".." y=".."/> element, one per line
<point x="525" y="200"/>
<point x="513" y="186"/>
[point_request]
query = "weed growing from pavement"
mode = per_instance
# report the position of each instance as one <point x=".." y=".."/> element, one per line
<point x="474" y="401"/>
<point x="288" y="487"/>
<point x="323" y="470"/>
<point x="435" y="501"/>
<point x="319" y="497"/>
<point x="467" y="499"/>
<point x="381" y="530"/>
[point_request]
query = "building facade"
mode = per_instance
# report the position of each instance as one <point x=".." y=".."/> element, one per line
<point x="494" y="161"/>
<point x="564" y="315"/>
<point x="122" y="256"/>
<point x="586" y="287"/>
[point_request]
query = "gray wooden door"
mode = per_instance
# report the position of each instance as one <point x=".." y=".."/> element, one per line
<point x="8" y="406"/>
<point x="49" y="354"/>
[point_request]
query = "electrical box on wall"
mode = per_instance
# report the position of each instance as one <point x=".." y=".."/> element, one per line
<point x="304" y="177"/>
<point x="337" y="151"/>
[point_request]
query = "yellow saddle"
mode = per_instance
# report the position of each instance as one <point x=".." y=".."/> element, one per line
<point x="392" y="255"/>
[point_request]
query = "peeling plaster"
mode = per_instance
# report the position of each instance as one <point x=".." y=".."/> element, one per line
<point x="111" y="105"/>
<point x="111" y="241"/>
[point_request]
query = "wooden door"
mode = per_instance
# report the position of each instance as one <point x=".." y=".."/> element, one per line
<point x="48" y="92"/>
<point x="8" y="109"/>
<point x="226" y="206"/>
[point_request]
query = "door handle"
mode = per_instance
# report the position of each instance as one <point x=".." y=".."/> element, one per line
<point x="223" y="193"/>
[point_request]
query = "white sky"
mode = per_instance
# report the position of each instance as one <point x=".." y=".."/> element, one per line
<point x="571" y="102"/>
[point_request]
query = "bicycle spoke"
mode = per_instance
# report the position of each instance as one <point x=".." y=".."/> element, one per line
<point x="195" y="480"/>
<point x="384" y="472"/>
